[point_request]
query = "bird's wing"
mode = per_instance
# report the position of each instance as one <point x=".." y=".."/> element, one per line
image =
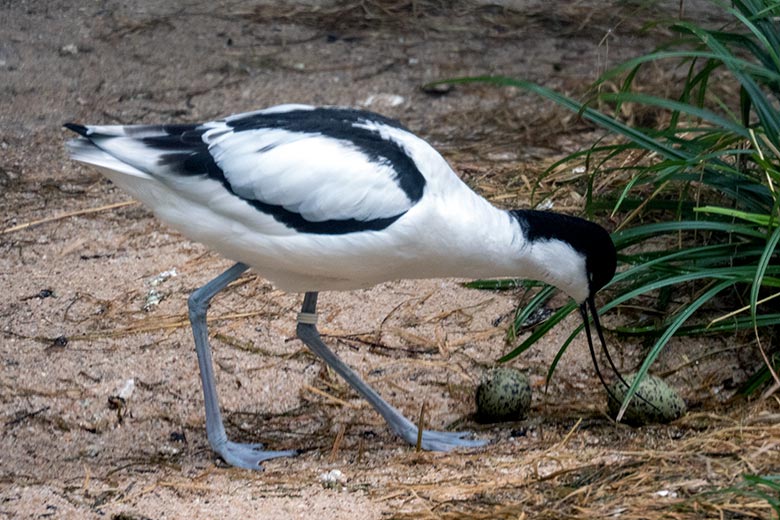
<point x="319" y="170"/>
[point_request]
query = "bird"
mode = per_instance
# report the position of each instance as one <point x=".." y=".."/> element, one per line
<point x="325" y="198"/>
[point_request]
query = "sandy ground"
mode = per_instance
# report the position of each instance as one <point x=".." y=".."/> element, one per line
<point x="74" y="327"/>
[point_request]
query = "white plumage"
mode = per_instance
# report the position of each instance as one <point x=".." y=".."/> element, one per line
<point x="449" y="231"/>
<point x="332" y="198"/>
<point x="291" y="172"/>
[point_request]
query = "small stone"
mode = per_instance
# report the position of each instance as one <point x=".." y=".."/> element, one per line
<point x="92" y="451"/>
<point x="168" y="451"/>
<point x="437" y="89"/>
<point x="69" y="49"/>
<point x="127" y="389"/>
<point x="160" y="278"/>
<point x="383" y="100"/>
<point x="332" y="479"/>
<point x="153" y="298"/>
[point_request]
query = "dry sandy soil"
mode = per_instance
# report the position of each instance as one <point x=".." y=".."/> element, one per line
<point x="78" y="262"/>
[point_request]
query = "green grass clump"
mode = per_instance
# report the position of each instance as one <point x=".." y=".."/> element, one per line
<point x="763" y="487"/>
<point x="697" y="192"/>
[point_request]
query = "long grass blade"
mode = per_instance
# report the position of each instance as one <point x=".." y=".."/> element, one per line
<point x="661" y="342"/>
<point x="761" y="269"/>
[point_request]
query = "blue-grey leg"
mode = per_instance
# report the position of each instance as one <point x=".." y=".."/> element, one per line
<point x="246" y="456"/>
<point x="406" y="429"/>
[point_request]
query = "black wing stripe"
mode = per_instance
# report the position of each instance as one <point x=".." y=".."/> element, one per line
<point x="199" y="161"/>
<point x="341" y="124"/>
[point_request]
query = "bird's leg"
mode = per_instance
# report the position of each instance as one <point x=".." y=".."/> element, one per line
<point x="431" y="440"/>
<point x="242" y="455"/>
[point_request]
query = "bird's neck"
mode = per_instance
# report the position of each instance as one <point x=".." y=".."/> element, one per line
<point x="548" y="254"/>
<point x="488" y="242"/>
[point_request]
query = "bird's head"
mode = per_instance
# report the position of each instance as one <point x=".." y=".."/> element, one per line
<point x="578" y="257"/>
<point x="575" y="255"/>
<point x="572" y="253"/>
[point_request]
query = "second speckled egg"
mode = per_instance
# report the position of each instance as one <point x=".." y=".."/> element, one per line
<point x="503" y="395"/>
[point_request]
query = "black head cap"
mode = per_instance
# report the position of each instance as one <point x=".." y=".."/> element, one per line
<point x="586" y="237"/>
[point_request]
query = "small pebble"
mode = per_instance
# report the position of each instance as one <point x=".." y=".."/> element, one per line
<point x="153" y="298"/>
<point x="160" y="278"/>
<point x="383" y="100"/>
<point x="69" y="49"/>
<point x="438" y="89"/>
<point x="332" y="479"/>
<point x="127" y="389"/>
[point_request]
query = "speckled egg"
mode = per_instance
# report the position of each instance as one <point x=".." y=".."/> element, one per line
<point x="661" y="402"/>
<point x="503" y="395"/>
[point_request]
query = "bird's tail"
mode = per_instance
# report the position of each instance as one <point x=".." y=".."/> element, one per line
<point x="84" y="149"/>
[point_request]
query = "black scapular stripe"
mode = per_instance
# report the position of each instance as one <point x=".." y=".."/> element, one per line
<point x="343" y="124"/>
<point x="187" y="154"/>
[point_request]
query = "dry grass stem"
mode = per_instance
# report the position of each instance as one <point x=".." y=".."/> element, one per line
<point x="69" y="214"/>
<point x="331" y="398"/>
